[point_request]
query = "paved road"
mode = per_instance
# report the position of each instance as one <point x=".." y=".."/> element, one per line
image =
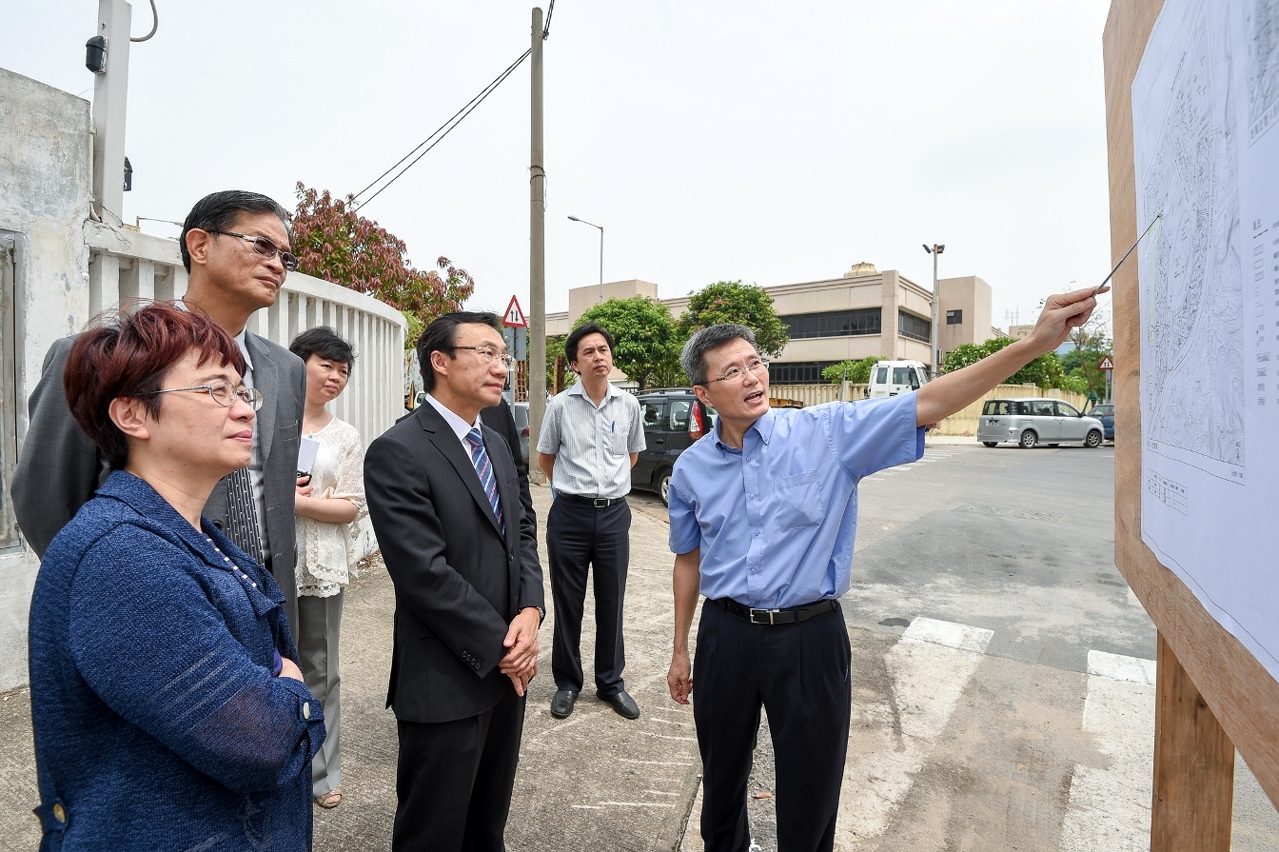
<point x="1001" y="698"/>
<point x="1003" y="672"/>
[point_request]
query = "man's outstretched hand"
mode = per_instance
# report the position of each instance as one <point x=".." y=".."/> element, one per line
<point x="1062" y="314"/>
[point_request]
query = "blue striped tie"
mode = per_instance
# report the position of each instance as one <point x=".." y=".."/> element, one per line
<point x="480" y="458"/>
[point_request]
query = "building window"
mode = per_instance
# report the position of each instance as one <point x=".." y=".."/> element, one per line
<point x="8" y="384"/>
<point x="916" y="328"/>
<point x="834" y="323"/>
<point x="797" y="372"/>
<point x="955" y="317"/>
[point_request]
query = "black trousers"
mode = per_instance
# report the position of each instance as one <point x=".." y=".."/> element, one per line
<point x="579" y="538"/>
<point x="454" y="781"/>
<point x="799" y="674"/>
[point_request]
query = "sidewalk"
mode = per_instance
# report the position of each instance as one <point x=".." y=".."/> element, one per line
<point x="593" y="781"/>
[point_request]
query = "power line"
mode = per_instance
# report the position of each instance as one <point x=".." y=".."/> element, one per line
<point x="442" y="131"/>
<point x="546" y="30"/>
<point x="155" y="24"/>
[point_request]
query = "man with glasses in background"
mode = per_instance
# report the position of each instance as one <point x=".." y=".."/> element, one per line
<point x="461" y="549"/>
<point x="235" y="247"/>
<point x="591" y="436"/>
<point x="763" y="515"/>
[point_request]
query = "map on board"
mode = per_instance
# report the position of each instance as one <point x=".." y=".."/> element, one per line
<point x="1192" y="354"/>
<point x="1206" y="152"/>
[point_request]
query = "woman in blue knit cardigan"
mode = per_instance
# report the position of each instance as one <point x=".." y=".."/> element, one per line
<point x="166" y="700"/>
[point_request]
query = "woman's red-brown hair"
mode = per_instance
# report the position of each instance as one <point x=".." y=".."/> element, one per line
<point x="126" y="354"/>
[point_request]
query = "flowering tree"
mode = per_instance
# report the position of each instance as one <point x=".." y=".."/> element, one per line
<point x="332" y="241"/>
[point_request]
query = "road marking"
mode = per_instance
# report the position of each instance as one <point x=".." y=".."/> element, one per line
<point x="669" y="737"/>
<point x="1109" y="806"/>
<point x="1119" y="667"/>
<point x="929" y="668"/>
<point x="657" y="762"/>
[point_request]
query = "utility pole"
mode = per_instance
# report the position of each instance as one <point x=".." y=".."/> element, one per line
<point x="110" y="94"/>
<point x="537" y="257"/>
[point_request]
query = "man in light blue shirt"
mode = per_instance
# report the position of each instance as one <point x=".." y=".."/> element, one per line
<point x="763" y="515"/>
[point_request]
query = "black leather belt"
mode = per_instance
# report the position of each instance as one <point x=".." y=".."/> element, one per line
<point x="786" y="615"/>
<point x="597" y="502"/>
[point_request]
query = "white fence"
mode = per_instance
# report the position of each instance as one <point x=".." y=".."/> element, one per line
<point x="127" y="264"/>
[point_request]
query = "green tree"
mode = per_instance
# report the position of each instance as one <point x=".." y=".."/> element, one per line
<point x="645" y="345"/>
<point x="735" y="302"/>
<point x="558" y="375"/>
<point x="334" y="242"/>
<point x="857" y="372"/>
<point x="1044" y="372"/>
<point x="1084" y="361"/>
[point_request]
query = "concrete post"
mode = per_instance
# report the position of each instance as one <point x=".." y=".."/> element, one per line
<point x="110" y="98"/>
<point x="537" y="257"/>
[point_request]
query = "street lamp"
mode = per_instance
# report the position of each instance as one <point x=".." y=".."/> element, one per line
<point x="601" y="227"/>
<point x="934" y="250"/>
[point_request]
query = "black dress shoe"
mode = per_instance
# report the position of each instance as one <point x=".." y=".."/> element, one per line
<point x="622" y="703"/>
<point x="562" y="703"/>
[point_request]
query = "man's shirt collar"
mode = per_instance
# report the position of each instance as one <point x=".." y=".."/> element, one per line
<point x="459" y="426"/>
<point x="762" y="427"/>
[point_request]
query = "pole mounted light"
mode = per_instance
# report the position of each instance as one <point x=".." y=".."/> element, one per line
<point x="601" y="229"/>
<point x="935" y="249"/>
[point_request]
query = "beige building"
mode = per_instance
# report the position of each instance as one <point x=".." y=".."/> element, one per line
<point x="865" y="313"/>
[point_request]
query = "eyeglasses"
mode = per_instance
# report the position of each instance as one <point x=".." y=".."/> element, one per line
<point x="733" y="374"/>
<point x="225" y="394"/>
<point x="264" y="247"/>
<point x="488" y="355"/>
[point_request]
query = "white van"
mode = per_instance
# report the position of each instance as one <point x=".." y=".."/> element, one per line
<point x="890" y="378"/>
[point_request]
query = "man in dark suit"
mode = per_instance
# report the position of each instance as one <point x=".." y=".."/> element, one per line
<point x="235" y="247"/>
<point x="461" y="549"/>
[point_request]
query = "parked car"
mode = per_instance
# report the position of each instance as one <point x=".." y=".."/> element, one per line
<point x="1105" y="412"/>
<point x="1028" y="422"/>
<point x="673" y="419"/>
<point x="520" y="410"/>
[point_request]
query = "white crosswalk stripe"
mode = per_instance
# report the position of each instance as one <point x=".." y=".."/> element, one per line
<point x="1110" y="808"/>
<point x="929" y="666"/>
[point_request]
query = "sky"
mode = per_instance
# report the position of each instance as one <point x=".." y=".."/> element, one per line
<point x="771" y="143"/>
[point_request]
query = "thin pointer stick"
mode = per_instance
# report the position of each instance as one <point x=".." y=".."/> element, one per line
<point x="1158" y="216"/>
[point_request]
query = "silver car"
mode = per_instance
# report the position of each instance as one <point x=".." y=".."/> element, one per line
<point x="1028" y="422"/>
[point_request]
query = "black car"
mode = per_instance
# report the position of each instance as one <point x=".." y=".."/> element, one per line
<point x="673" y="420"/>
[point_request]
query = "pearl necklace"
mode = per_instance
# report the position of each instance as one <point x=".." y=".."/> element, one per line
<point x="234" y="568"/>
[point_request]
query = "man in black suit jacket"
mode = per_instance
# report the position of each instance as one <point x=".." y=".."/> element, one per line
<point x="235" y="247"/>
<point x="461" y="549"/>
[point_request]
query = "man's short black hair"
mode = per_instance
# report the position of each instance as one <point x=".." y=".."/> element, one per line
<point x="693" y="356"/>
<point x="575" y="337"/>
<point x="441" y="336"/>
<point x="219" y="210"/>
<point x="323" y="341"/>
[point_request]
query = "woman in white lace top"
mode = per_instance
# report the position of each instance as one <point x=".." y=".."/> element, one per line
<point x="327" y="507"/>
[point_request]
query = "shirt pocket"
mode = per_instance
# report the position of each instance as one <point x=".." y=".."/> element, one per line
<point x="799" y="500"/>
<point x="616" y="443"/>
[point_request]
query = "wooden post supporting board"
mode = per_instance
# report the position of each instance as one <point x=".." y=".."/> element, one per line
<point x="1194" y="765"/>
<point x="1211" y="691"/>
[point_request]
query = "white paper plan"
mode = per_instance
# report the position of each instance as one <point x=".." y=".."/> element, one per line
<point x="1206" y="151"/>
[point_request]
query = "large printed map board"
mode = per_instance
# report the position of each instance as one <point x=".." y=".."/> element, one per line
<point x="1191" y="107"/>
<point x="1206" y="150"/>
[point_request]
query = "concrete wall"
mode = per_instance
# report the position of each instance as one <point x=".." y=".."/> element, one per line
<point x="971" y="295"/>
<point x="45" y="175"/>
